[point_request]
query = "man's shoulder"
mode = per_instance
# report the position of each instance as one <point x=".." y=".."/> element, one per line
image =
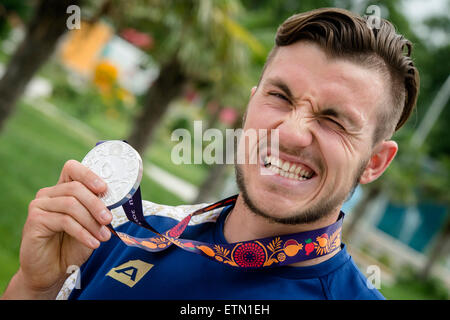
<point x="349" y="283"/>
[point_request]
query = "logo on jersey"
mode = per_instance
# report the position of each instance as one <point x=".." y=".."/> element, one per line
<point x="130" y="272"/>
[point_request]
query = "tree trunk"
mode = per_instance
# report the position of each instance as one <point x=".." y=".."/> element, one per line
<point x="165" y="89"/>
<point x="440" y="245"/>
<point x="41" y="37"/>
<point x="360" y="210"/>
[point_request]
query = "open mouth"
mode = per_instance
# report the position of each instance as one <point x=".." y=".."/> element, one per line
<point x="287" y="169"/>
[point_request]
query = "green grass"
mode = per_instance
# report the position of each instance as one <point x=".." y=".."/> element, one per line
<point x="409" y="291"/>
<point x="397" y="292"/>
<point x="410" y="285"/>
<point x="115" y="127"/>
<point x="33" y="149"/>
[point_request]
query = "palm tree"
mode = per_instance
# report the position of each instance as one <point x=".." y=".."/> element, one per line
<point x="199" y="42"/>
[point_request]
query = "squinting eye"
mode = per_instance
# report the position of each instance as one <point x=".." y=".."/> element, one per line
<point x="335" y="123"/>
<point x="279" y="95"/>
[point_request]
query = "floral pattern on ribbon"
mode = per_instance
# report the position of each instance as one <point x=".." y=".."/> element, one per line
<point x="267" y="252"/>
<point x="249" y="255"/>
<point x="255" y="254"/>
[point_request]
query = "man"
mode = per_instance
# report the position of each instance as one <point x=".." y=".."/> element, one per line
<point x="336" y="90"/>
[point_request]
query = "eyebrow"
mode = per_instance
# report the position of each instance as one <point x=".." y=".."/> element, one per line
<point x="332" y="112"/>
<point x="340" y="115"/>
<point x="280" y="84"/>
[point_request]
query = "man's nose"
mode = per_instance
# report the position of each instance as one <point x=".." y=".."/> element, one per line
<point x="294" y="132"/>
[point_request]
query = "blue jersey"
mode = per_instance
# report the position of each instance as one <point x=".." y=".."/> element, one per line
<point x="117" y="271"/>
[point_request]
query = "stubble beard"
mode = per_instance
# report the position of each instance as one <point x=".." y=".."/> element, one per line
<point x="329" y="204"/>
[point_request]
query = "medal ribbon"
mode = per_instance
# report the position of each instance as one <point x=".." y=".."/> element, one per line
<point x="265" y="252"/>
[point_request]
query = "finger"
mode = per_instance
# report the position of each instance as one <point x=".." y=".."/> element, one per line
<point x="89" y="200"/>
<point x="75" y="171"/>
<point x="57" y="222"/>
<point x="71" y="206"/>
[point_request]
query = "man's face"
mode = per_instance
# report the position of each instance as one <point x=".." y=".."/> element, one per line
<point x="325" y="113"/>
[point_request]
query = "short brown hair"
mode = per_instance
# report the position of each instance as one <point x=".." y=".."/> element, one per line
<point x="343" y="34"/>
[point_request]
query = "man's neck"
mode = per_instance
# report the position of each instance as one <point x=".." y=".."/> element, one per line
<point x="242" y="224"/>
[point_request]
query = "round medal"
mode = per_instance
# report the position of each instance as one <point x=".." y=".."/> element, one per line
<point x="120" y="166"/>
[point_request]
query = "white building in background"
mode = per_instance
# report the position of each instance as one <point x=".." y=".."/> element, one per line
<point x="137" y="70"/>
<point x="82" y="50"/>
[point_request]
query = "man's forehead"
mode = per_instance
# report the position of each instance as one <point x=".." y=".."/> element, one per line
<point x="336" y="107"/>
<point x="306" y="69"/>
<point x="308" y="59"/>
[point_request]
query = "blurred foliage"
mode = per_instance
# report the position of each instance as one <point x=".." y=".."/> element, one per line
<point x="212" y="47"/>
<point x="385" y="259"/>
<point x="432" y="287"/>
<point x="86" y="101"/>
<point x="9" y="8"/>
<point x="106" y="81"/>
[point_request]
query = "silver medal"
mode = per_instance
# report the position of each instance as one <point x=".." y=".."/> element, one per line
<point x="120" y="166"/>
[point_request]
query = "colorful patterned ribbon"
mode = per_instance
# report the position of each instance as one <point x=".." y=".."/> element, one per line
<point x="265" y="252"/>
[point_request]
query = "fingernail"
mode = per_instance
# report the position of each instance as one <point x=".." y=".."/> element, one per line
<point x="105" y="233"/>
<point x="94" y="242"/>
<point x="105" y="216"/>
<point x="98" y="184"/>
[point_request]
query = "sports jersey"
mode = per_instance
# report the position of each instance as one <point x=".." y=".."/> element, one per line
<point x="117" y="271"/>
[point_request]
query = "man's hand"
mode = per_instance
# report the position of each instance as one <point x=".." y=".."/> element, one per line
<point x="65" y="223"/>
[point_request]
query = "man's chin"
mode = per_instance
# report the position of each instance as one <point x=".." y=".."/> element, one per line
<point x="275" y="202"/>
<point x="273" y="206"/>
<point x="280" y="206"/>
<point x="288" y="213"/>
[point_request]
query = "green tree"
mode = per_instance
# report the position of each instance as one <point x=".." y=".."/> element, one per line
<point x="42" y="33"/>
<point x="197" y="42"/>
<point x="9" y="8"/>
<point x="437" y="188"/>
<point x="437" y="68"/>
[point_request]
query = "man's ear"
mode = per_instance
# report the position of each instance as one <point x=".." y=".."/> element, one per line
<point x="252" y="92"/>
<point x="382" y="156"/>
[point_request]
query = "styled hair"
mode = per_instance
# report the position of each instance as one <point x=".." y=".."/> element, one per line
<point x="343" y="34"/>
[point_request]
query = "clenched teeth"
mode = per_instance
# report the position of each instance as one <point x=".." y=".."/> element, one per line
<point x="287" y="169"/>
